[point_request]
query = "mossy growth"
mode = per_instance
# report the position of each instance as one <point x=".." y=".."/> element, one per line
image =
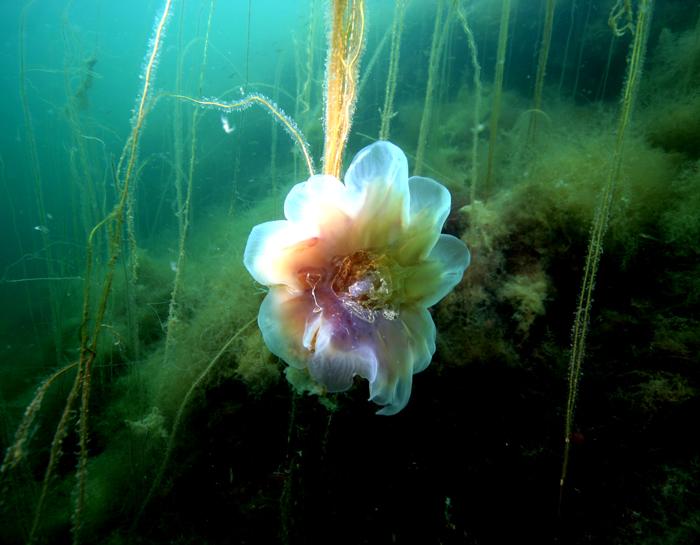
<point x="675" y="126"/>
<point x="671" y="118"/>
<point x="257" y="367"/>
<point x="528" y="240"/>
<point x="681" y="221"/>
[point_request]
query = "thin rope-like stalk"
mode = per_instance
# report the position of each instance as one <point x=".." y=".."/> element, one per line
<point x="302" y="104"/>
<point x="430" y="85"/>
<point x="55" y="452"/>
<point x="89" y="208"/>
<point x="37" y="178"/>
<point x="567" y="45"/>
<point x="390" y="92"/>
<point x="369" y="67"/>
<point x="444" y="69"/>
<point x="346" y="43"/>
<point x="477" y="100"/>
<point x="542" y="65"/>
<point x="88" y="343"/>
<point x="600" y="223"/>
<point x="16" y="451"/>
<point x="184" y="206"/>
<point x="305" y="93"/>
<point x="81" y="384"/>
<point x="581" y="49"/>
<point x="274" y="129"/>
<point x="604" y="84"/>
<point x="182" y="212"/>
<point x="497" y="91"/>
<point x="13" y="215"/>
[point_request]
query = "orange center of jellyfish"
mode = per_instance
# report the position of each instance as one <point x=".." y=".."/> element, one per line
<point x="363" y="282"/>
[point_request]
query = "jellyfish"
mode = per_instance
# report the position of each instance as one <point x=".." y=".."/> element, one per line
<point x="352" y="271"/>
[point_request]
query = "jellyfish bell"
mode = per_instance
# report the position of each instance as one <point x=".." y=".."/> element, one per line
<point x="352" y="271"/>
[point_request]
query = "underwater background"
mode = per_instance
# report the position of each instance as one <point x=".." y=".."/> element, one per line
<point x="138" y="401"/>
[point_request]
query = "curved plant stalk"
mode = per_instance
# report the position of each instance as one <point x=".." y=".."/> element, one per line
<point x="55" y="452"/>
<point x="276" y="112"/>
<point x="17" y="450"/>
<point x="181" y="411"/>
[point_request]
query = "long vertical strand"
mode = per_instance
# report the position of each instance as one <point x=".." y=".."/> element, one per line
<point x="477" y="101"/>
<point x="38" y="184"/>
<point x="390" y="92"/>
<point x="497" y="91"/>
<point x="582" y="46"/>
<point x="600" y="223"/>
<point x="542" y="66"/>
<point x="428" y="104"/>
<point x="567" y="45"/>
<point x="346" y="43"/>
<point x="88" y="344"/>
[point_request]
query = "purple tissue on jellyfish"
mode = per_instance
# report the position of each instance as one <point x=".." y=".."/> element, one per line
<point x="352" y="271"/>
